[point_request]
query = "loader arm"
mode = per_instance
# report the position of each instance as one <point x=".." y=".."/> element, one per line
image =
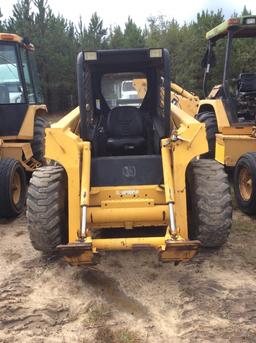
<point x="180" y="97"/>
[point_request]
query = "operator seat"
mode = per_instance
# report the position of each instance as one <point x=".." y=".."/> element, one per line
<point x="126" y="133"/>
<point x="247" y="84"/>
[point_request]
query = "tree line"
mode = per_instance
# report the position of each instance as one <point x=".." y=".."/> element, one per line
<point x="58" y="40"/>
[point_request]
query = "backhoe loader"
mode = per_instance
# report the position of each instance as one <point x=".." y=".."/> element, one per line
<point x="229" y="109"/>
<point x="22" y="122"/>
<point x="124" y="172"/>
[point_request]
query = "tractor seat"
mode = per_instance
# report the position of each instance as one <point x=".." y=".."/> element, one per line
<point x="247" y="84"/>
<point x="126" y="134"/>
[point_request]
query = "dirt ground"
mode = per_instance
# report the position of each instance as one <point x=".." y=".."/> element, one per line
<point x="129" y="297"/>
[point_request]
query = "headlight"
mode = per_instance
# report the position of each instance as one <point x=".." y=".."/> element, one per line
<point x="250" y="21"/>
<point x="155" y="53"/>
<point x="90" y="55"/>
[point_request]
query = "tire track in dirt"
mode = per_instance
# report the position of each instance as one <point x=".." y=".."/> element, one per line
<point x="217" y="305"/>
<point x="212" y="298"/>
<point x="17" y="315"/>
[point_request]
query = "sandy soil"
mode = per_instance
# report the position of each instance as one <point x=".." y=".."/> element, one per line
<point x="130" y="296"/>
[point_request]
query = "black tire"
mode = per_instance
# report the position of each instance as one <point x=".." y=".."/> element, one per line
<point x="209" y="203"/>
<point x="13" y="188"/>
<point x="47" y="208"/>
<point x="38" y="142"/>
<point x="245" y="183"/>
<point x="211" y="126"/>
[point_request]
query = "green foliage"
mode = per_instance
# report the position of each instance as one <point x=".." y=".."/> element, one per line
<point x="133" y="35"/>
<point x="58" y="41"/>
<point x="93" y="37"/>
<point x="116" y="38"/>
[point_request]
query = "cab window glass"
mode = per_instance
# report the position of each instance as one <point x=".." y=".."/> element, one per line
<point x="37" y="85"/>
<point x="11" y="90"/>
<point x="27" y="76"/>
<point x="122" y="89"/>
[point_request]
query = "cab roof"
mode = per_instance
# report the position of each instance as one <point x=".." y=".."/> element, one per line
<point x="12" y="37"/>
<point x="124" y="60"/>
<point x="242" y="27"/>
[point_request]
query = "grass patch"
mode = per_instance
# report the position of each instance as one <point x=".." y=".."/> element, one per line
<point x="98" y="313"/>
<point x="107" y="335"/>
<point x="126" y="336"/>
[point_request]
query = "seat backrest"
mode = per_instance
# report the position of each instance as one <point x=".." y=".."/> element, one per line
<point x="125" y="121"/>
<point x="247" y="83"/>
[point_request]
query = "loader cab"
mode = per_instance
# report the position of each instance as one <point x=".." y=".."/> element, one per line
<point x="237" y="82"/>
<point x="19" y="83"/>
<point x="124" y="128"/>
<point x="113" y="116"/>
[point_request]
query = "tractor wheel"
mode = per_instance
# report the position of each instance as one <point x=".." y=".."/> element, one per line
<point x="13" y="188"/>
<point x="38" y="142"/>
<point x="47" y="208"/>
<point x="209" y="203"/>
<point x="245" y="183"/>
<point x="211" y="126"/>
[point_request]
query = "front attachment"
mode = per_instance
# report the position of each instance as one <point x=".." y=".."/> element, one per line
<point x="177" y="251"/>
<point x="78" y="253"/>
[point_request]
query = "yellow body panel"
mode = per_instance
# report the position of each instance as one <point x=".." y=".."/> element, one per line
<point x="232" y="141"/>
<point x="11" y="37"/>
<point x="27" y="129"/>
<point x="229" y="148"/>
<point x="19" y="147"/>
<point x="217" y="107"/>
<point x="131" y="193"/>
<point x="187" y="101"/>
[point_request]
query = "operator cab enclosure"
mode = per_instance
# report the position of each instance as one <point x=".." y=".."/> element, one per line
<point x="124" y="129"/>
<point x="117" y="124"/>
<point x="19" y="83"/>
<point x="237" y="89"/>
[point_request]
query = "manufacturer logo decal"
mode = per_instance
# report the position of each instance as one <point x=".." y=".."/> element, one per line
<point x="129" y="171"/>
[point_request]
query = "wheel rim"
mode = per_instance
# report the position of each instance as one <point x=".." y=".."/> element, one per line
<point x="245" y="183"/>
<point x="16" y="188"/>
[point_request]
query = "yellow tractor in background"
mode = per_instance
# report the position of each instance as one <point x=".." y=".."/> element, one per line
<point x="229" y="109"/>
<point x="125" y="173"/>
<point x="22" y="123"/>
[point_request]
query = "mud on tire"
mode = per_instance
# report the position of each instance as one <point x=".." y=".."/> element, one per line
<point x="47" y="208"/>
<point x="209" y="203"/>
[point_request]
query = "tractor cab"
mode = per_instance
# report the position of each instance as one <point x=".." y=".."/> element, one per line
<point x="237" y="88"/>
<point x="22" y="122"/>
<point x="19" y="83"/>
<point x="124" y="127"/>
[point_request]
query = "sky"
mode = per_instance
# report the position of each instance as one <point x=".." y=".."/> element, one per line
<point x="116" y="12"/>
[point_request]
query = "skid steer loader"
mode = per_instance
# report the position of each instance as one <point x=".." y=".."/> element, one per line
<point x="22" y="123"/>
<point x="229" y="109"/>
<point x="125" y="174"/>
